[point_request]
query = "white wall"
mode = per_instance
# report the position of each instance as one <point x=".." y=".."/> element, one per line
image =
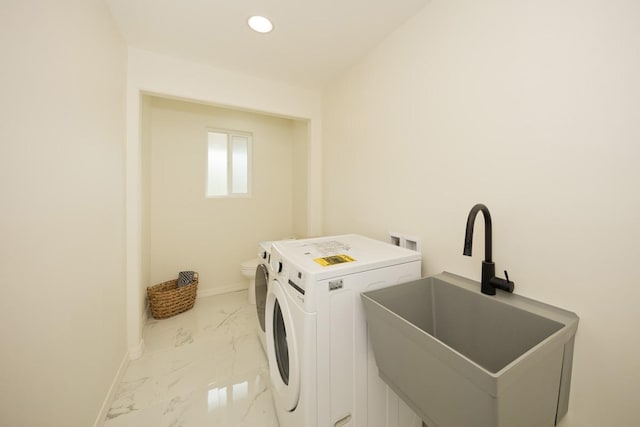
<point x="158" y="74"/>
<point x="62" y="308"/>
<point x="145" y="163"/>
<point x="214" y="235"/>
<point x="300" y="178"/>
<point x="533" y="109"/>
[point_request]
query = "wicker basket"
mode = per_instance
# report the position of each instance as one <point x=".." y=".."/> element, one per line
<point x="167" y="299"/>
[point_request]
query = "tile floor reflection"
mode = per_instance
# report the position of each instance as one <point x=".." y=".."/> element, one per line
<point x="201" y="368"/>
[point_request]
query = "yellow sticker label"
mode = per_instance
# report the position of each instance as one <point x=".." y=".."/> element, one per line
<point x="333" y="260"/>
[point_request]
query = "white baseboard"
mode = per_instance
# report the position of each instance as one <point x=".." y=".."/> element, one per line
<point x="102" y="415"/>
<point x="222" y="290"/>
<point x="136" y="351"/>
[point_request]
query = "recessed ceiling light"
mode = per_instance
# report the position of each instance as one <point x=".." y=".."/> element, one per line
<point x="260" y="24"/>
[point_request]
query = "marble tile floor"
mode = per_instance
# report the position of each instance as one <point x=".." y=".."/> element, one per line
<point x="204" y="367"/>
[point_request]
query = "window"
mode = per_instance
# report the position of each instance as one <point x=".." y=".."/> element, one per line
<point x="228" y="164"/>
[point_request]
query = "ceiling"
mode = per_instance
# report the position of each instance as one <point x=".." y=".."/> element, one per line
<point x="312" y="41"/>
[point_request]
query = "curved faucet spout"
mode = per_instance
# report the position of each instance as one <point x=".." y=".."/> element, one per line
<point x="489" y="281"/>
<point x="468" y="235"/>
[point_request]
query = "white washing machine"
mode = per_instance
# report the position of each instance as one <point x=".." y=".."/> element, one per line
<point x="261" y="285"/>
<point x="319" y="357"/>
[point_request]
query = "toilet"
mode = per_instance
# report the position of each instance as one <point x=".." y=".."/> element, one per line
<point x="248" y="270"/>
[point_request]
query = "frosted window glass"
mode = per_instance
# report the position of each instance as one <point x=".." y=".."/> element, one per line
<point x="228" y="164"/>
<point x="240" y="164"/>
<point x="217" y="165"/>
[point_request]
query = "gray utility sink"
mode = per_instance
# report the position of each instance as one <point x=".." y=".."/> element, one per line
<point x="460" y="358"/>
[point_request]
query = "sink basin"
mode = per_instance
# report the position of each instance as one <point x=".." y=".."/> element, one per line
<point x="460" y="358"/>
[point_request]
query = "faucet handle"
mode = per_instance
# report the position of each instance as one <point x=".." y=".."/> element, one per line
<point x="509" y="284"/>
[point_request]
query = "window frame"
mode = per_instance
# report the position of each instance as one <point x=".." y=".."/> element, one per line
<point x="230" y="134"/>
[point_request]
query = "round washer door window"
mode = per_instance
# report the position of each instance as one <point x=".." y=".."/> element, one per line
<point x="282" y="349"/>
<point x="280" y="343"/>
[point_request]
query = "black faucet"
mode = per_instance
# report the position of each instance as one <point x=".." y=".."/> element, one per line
<point x="489" y="281"/>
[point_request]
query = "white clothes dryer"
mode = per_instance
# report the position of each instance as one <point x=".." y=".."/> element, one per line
<point x="317" y="344"/>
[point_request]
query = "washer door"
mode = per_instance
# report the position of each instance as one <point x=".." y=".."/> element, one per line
<point x="282" y="350"/>
<point x="262" y="278"/>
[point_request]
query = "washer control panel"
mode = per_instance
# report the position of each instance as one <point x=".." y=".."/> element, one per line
<point x="295" y="280"/>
